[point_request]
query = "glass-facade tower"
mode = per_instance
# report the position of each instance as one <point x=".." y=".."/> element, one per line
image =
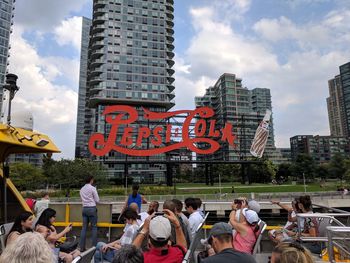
<point x="6" y="16"/>
<point x="81" y="147"/>
<point x="130" y="60"/>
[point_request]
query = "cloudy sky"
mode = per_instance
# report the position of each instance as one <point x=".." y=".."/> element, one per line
<point x="289" y="46"/>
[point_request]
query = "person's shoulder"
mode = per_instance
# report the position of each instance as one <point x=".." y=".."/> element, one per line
<point x="247" y="258"/>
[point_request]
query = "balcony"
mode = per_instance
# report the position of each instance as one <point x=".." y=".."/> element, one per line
<point x="170" y="54"/>
<point x="170" y="23"/>
<point x="95" y="80"/>
<point x="170" y="38"/>
<point x="170" y="87"/>
<point x="170" y="45"/>
<point x="95" y="54"/>
<point x="171" y="95"/>
<point x="96" y="71"/>
<point x="170" y="79"/>
<point x="96" y="62"/>
<point x="99" y="11"/>
<point x="170" y="30"/>
<point x="99" y="19"/>
<point x="97" y="45"/>
<point x="169" y="15"/>
<point x="170" y="71"/>
<point x="169" y="7"/>
<point x="100" y="3"/>
<point x="98" y="36"/>
<point x="170" y="62"/>
<point x="98" y="28"/>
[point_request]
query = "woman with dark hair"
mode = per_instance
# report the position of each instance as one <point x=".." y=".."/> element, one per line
<point x="310" y="227"/>
<point x="44" y="225"/>
<point x="23" y="223"/>
<point x="108" y="251"/>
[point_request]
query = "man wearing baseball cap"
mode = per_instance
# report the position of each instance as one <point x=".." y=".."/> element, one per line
<point x="159" y="230"/>
<point x="220" y="238"/>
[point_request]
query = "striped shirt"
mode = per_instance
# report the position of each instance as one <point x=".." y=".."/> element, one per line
<point x="89" y="195"/>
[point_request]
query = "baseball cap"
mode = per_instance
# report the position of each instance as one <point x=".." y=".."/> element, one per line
<point x="254" y="205"/>
<point x="219" y="229"/>
<point x="251" y="216"/>
<point x="160" y="228"/>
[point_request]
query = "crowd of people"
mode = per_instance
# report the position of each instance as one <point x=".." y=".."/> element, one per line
<point x="163" y="234"/>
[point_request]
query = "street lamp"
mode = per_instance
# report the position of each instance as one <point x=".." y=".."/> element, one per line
<point x="11" y="86"/>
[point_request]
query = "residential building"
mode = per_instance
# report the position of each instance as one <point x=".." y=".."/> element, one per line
<point x="130" y="60"/>
<point x="345" y="86"/>
<point x="335" y="106"/>
<point x="243" y="108"/>
<point x="338" y="102"/>
<point x="81" y="141"/>
<point x="6" y="21"/>
<point x="320" y="148"/>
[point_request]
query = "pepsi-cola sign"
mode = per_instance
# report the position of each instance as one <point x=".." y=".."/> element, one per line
<point x="161" y="136"/>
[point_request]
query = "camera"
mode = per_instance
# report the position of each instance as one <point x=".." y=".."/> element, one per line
<point x="238" y="201"/>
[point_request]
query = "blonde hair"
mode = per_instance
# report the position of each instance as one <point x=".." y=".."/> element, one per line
<point x="28" y="248"/>
<point x="292" y="253"/>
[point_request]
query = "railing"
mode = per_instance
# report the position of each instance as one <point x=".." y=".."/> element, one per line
<point x="338" y="237"/>
<point x="227" y="196"/>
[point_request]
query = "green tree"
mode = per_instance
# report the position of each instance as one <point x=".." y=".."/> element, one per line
<point x="262" y="173"/>
<point x="26" y="176"/>
<point x="72" y="173"/>
<point x="283" y="172"/>
<point x="322" y="171"/>
<point x="337" y="166"/>
<point x="303" y="165"/>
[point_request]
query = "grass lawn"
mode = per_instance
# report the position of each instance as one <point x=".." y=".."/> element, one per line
<point x="185" y="189"/>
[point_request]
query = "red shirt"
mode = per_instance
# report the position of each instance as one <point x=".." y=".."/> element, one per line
<point x="173" y="255"/>
<point x="30" y="202"/>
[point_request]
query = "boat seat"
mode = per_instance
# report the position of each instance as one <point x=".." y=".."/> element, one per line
<point x="4" y="231"/>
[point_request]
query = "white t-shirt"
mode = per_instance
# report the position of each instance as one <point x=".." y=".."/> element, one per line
<point x="293" y="214"/>
<point x="194" y="221"/>
<point x="143" y="215"/>
<point x="40" y="206"/>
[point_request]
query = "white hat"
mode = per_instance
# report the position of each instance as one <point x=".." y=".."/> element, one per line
<point x="160" y="228"/>
<point x="251" y="216"/>
<point x="254" y="205"/>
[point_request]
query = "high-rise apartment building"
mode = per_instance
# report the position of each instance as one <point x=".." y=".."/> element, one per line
<point x="81" y="141"/>
<point x="335" y="106"/>
<point x="338" y="102"/>
<point x="130" y="60"/>
<point x="320" y="148"/>
<point x="243" y="108"/>
<point x="345" y="85"/>
<point x="6" y="16"/>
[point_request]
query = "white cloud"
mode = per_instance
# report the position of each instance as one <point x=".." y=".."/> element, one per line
<point x="44" y="15"/>
<point x="331" y="32"/>
<point x="298" y="84"/>
<point x="69" y="32"/>
<point x="53" y="106"/>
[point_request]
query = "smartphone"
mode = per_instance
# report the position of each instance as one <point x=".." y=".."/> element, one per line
<point x="159" y="214"/>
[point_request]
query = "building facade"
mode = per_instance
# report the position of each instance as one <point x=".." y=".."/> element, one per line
<point x="6" y="21"/>
<point x="243" y="108"/>
<point x="335" y="106"/>
<point x="81" y="140"/>
<point x="130" y="60"/>
<point x="320" y="148"/>
<point x="345" y="85"/>
<point x="338" y="102"/>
